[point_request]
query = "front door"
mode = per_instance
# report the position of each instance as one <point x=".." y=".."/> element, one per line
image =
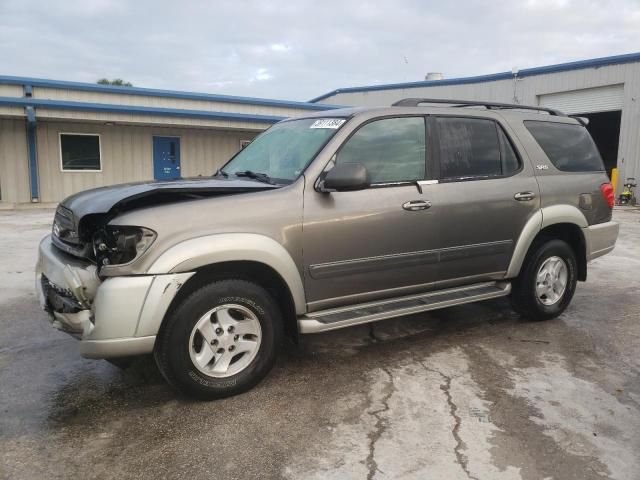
<point x="370" y="244"/>
<point x="485" y="196"/>
<point x="166" y="158"/>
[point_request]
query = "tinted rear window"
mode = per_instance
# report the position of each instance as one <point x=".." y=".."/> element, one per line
<point x="468" y="147"/>
<point x="474" y="147"/>
<point x="569" y="147"/>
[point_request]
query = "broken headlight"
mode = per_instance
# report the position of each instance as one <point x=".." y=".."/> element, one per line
<point x="116" y="245"/>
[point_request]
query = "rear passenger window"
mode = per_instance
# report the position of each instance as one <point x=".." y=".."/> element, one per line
<point x="569" y="147"/>
<point x="474" y="147"/>
<point x="393" y="149"/>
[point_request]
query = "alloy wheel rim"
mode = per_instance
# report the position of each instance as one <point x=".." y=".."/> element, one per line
<point x="551" y="281"/>
<point x="225" y="340"/>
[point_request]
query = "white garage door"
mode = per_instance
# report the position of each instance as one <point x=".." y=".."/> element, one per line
<point x="589" y="100"/>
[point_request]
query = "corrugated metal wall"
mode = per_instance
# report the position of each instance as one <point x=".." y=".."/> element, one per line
<point x="14" y="170"/>
<point x="127" y="118"/>
<point x="164" y="102"/>
<point x="10" y="91"/>
<point x="127" y="154"/>
<point x="528" y="90"/>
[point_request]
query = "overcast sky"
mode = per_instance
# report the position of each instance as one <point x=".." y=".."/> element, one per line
<point x="300" y="49"/>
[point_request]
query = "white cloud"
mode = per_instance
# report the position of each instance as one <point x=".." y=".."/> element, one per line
<point x="220" y="83"/>
<point x="546" y="4"/>
<point x="261" y="75"/>
<point x="301" y="49"/>
<point x="280" y="47"/>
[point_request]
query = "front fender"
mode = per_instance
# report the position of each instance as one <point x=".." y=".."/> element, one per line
<point x="198" y="252"/>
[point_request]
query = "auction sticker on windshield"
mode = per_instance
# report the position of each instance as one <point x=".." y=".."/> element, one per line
<point x="328" y="123"/>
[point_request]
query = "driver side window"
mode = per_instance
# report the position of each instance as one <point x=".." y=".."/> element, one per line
<point x="392" y="149"/>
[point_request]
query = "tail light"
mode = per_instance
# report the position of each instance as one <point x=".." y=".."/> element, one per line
<point x="607" y="194"/>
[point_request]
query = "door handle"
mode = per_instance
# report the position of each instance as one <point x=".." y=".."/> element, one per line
<point x="524" y="196"/>
<point x="415" y="205"/>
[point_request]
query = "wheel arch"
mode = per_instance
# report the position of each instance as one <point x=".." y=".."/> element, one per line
<point x="251" y="271"/>
<point x="564" y="222"/>
<point x="251" y="257"/>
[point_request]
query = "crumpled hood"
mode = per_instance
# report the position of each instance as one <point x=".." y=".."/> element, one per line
<point x="128" y="196"/>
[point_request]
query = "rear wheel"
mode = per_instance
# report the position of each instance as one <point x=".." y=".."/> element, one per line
<point x="547" y="281"/>
<point x="221" y="340"/>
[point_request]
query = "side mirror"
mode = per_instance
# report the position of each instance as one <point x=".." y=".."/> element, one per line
<point x="346" y="177"/>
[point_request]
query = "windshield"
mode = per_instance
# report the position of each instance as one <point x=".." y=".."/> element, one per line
<point x="284" y="150"/>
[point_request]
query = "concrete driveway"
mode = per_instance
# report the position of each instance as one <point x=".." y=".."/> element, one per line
<point x="469" y="392"/>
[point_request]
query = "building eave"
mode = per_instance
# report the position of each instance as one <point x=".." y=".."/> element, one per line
<point x="525" y="72"/>
<point x="153" y="92"/>
<point x="135" y="110"/>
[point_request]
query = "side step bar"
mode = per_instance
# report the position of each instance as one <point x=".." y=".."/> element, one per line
<point x="335" y="318"/>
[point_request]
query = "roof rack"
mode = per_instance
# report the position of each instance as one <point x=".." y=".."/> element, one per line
<point x="414" y="102"/>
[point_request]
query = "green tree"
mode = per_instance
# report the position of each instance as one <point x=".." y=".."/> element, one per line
<point x="118" y="82"/>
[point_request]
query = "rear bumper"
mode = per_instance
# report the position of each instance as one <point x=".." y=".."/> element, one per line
<point x="600" y="239"/>
<point x="117" y="317"/>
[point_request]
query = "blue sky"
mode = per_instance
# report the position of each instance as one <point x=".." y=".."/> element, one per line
<point x="301" y="49"/>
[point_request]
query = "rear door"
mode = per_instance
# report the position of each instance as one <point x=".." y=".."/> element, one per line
<point x="485" y="195"/>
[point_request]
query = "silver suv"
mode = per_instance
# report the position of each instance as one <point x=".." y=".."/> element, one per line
<point x="324" y="222"/>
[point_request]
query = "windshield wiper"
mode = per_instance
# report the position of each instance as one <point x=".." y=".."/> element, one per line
<point x="221" y="172"/>
<point x="261" y="177"/>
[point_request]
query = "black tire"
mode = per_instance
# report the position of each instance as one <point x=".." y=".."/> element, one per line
<point x="172" y="346"/>
<point x="524" y="299"/>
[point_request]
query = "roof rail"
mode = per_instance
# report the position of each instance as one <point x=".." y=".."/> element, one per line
<point x="414" y="102"/>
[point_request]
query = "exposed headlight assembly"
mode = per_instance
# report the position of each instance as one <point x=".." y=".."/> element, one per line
<point x="117" y="245"/>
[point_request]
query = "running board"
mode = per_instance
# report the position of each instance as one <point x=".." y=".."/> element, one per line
<point x="335" y="318"/>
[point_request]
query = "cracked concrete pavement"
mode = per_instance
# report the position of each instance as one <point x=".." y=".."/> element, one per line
<point x="470" y="392"/>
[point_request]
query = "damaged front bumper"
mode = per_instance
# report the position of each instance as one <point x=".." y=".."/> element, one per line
<point x="118" y="316"/>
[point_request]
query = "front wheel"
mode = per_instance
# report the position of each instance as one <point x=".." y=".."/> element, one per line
<point x="547" y="281"/>
<point x="221" y="340"/>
